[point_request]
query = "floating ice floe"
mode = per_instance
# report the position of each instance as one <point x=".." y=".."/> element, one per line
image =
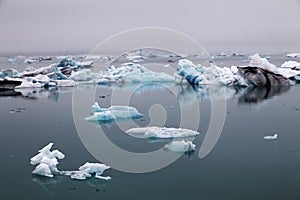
<point x="132" y="73"/>
<point x="271" y="137"/>
<point x="86" y="171"/>
<point x="291" y="64"/>
<point x="293" y="55"/>
<point x="180" y="146"/>
<point x="113" y="113"/>
<point x="161" y="132"/>
<point x="47" y="161"/>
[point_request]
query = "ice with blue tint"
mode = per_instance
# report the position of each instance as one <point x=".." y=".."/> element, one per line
<point x="47" y="161"/>
<point x="9" y="73"/>
<point x="132" y="73"/>
<point x="180" y="146"/>
<point x="202" y="75"/>
<point x="84" y="75"/>
<point x="113" y="113"/>
<point x="161" y="132"/>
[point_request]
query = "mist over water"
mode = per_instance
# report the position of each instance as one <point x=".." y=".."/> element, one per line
<point x="77" y="26"/>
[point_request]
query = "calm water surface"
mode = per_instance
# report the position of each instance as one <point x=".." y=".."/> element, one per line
<point x="240" y="166"/>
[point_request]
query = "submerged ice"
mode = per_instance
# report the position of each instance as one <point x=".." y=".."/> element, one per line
<point x="113" y="113"/>
<point x="47" y="161"/>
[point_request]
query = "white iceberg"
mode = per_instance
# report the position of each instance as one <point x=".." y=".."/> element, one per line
<point x="271" y="137"/>
<point x="132" y="73"/>
<point x="113" y="113"/>
<point x="291" y="64"/>
<point x="161" y="132"/>
<point x="180" y="146"/>
<point x="293" y="55"/>
<point x="47" y="161"/>
<point x="257" y="61"/>
<point x="84" y="75"/>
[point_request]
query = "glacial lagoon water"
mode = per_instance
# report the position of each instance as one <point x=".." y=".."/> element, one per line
<point x="241" y="165"/>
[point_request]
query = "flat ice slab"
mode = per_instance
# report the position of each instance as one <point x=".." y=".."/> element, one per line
<point x="113" y="113"/>
<point x="161" y="132"/>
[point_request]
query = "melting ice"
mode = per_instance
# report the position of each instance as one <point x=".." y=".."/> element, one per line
<point x="47" y="161"/>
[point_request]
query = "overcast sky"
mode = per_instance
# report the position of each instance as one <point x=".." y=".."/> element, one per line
<point x="219" y="25"/>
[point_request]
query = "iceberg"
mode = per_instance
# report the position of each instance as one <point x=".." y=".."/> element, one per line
<point x="47" y="161"/>
<point x="201" y="75"/>
<point x="113" y="113"/>
<point x="263" y="63"/>
<point x="257" y="61"/>
<point x="9" y="73"/>
<point x="271" y="137"/>
<point x="83" y="75"/>
<point x="258" y="77"/>
<point x="291" y="64"/>
<point x="132" y="73"/>
<point x="293" y="55"/>
<point x="161" y="132"/>
<point x="180" y="146"/>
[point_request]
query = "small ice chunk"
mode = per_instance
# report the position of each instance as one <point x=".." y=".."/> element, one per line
<point x="271" y="137"/>
<point x="180" y="146"/>
<point x="234" y="69"/>
<point x="113" y="113"/>
<point x="46" y="157"/>
<point x="161" y="132"/>
<point x="86" y="171"/>
<point x="43" y="170"/>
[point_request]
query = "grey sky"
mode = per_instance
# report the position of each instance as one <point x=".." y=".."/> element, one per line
<point x="74" y="25"/>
